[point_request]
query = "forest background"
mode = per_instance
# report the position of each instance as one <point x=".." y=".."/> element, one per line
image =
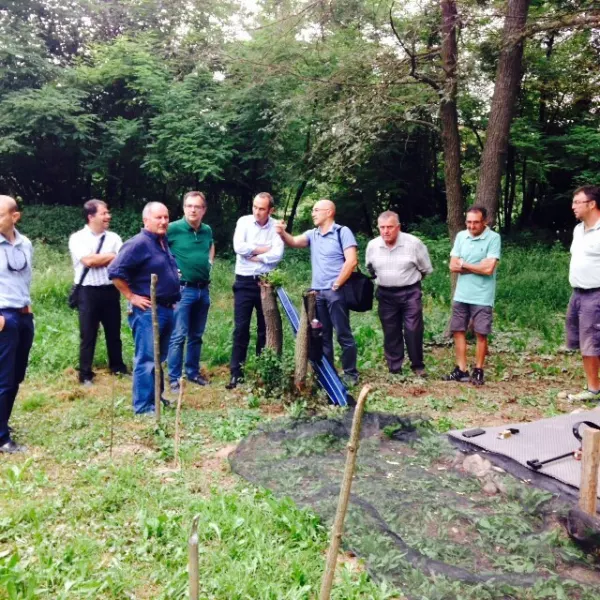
<point x="419" y="107"/>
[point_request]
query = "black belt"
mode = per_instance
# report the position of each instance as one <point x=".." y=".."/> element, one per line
<point x="586" y="290"/>
<point x="23" y="310"/>
<point x="247" y="277"/>
<point x="165" y="304"/>
<point x="197" y="285"/>
<point x="392" y="288"/>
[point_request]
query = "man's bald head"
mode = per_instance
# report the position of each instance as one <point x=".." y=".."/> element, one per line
<point x="325" y="204"/>
<point x="8" y="203"/>
<point x="323" y="213"/>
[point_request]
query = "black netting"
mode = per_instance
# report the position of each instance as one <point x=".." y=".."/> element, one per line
<point x="415" y="516"/>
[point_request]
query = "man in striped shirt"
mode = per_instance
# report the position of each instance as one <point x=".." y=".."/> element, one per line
<point x="98" y="298"/>
<point x="399" y="261"/>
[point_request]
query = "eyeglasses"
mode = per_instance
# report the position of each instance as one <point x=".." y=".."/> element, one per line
<point x="576" y="202"/>
<point x="19" y="263"/>
<point x="319" y="209"/>
<point x="194" y="206"/>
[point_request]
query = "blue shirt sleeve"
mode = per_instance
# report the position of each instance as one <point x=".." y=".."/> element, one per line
<point x="131" y="255"/>
<point x="347" y="238"/>
<point x="457" y="243"/>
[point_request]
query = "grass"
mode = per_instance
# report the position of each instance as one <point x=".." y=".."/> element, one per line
<point x="77" y="521"/>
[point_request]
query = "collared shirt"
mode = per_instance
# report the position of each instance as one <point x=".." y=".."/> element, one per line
<point x="15" y="271"/>
<point x="405" y="263"/>
<point x="141" y="256"/>
<point x="85" y="242"/>
<point x="472" y="288"/>
<point x="248" y="236"/>
<point x="327" y="254"/>
<point x="191" y="249"/>
<point x="584" y="270"/>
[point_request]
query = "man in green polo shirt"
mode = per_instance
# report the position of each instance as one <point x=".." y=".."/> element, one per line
<point x="474" y="257"/>
<point x="191" y="242"/>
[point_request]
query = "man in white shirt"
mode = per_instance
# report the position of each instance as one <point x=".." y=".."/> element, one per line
<point x="98" y="297"/>
<point x="258" y="251"/>
<point x="583" y="313"/>
<point x="399" y="261"/>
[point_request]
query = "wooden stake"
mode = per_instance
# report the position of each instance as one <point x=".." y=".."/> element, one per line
<point x="193" y="566"/>
<point x="156" y="336"/>
<point x="340" y="515"/>
<point x="273" y="325"/>
<point x="590" y="461"/>
<point x="177" y="419"/>
<point x="112" y="415"/>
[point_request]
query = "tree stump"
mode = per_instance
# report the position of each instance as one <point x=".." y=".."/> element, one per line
<point x="270" y="308"/>
<point x="308" y="312"/>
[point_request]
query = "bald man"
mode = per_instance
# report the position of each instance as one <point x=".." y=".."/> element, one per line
<point x="333" y="255"/>
<point x="16" y="319"/>
<point x="146" y="253"/>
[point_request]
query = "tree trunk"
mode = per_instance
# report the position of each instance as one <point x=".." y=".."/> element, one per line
<point x="449" y="119"/>
<point x="509" y="191"/>
<point x="508" y="77"/>
<point x="307" y="314"/>
<point x="270" y="308"/>
<point x="299" y="192"/>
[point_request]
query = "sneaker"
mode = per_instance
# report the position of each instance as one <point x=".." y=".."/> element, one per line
<point x="350" y="380"/>
<point x="174" y="387"/>
<point x="420" y="373"/>
<point x="477" y="377"/>
<point x="585" y="396"/>
<point x="88" y="383"/>
<point x="457" y="375"/>
<point x="198" y="380"/>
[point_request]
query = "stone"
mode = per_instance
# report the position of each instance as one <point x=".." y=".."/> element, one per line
<point x="477" y="465"/>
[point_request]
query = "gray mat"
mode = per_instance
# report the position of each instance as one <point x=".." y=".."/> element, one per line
<point x="540" y="439"/>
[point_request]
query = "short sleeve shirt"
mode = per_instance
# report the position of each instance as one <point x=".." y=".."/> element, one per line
<point x="191" y="249"/>
<point x="584" y="269"/>
<point x="327" y="254"/>
<point x="472" y="288"/>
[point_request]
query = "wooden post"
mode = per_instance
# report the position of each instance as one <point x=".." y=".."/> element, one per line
<point x="307" y="314"/>
<point x="590" y="461"/>
<point x="156" y="337"/>
<point x="273" y="325"/>
<point x="340" y="515"/>
<point x="177" y="420"/>
<point x="193" y="567"/>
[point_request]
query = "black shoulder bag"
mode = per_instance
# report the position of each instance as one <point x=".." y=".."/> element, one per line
<point x="73" y="298"/>
<point x="358" y="290"/>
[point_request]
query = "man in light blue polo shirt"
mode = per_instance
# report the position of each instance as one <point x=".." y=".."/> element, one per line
<point x="333" y="255"/>
<point x="16" y="319"/>
<point x="474" y="257"/>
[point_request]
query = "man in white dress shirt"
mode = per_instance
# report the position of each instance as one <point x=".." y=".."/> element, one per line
<point x="98" y="297"/>
<point x="583" y="314"/>
<point x="258" y="251"/>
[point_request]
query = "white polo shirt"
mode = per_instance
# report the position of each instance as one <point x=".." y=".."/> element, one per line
<point x="584" y="270"/>
<point x="85" y="242"/>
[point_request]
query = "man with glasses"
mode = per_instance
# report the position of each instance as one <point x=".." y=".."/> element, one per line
<point x="583" y="313"/>
<point x="92" y="249"/>
<point x="16" y="318"/>
<point x="191" y="242"/>
<point x="474" y="258"/>
<point x="333" y="255"/>
<point x="258" y="250"/>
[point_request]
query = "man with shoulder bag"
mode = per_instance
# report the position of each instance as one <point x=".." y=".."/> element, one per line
<point x="94" y="295"/>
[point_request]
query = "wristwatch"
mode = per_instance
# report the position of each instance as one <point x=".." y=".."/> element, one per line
<point x="335" y="287"/>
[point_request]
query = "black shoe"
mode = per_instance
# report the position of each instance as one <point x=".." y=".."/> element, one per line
<point x="166" y="403"/>
<point x="11" y="447"/>
<point x="234" y="381"/>
<point x="477" y="377"/>
<point x="174" y="387"/>
<point x="350" y="380"/>
<point x="198" y="380"/>
<point x="457" y="375"/>
<point x="122" y="372"/>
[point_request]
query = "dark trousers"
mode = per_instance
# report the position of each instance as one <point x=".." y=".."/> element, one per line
<point x="401" y="314"/>
<point x="334" y="315"/>
<point x="99" y="304"/>
<point x="246" y="298"/>
<point x="16" y="338"/>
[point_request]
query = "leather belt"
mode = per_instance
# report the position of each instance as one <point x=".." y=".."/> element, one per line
<point x="586" y="290"/>
<point x="197" y="285"/>
<point x="247" y="277"/>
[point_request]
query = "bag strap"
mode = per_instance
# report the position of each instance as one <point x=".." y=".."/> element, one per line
<point x="339" y="237"/>
<point x="86" y="269"/>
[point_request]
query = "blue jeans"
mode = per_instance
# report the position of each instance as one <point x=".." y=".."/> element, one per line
<point x="334" y="314"/>
<point x="140" y="322"/>
<point x="191" y="313"/>
<point x="15" y="342"/>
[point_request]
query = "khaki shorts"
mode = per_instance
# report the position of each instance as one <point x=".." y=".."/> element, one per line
<point x="583" y="322"/>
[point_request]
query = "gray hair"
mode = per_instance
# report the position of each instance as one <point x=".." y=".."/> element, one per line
<point x="149" y="208"/>
<point x="388" y="214"/>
